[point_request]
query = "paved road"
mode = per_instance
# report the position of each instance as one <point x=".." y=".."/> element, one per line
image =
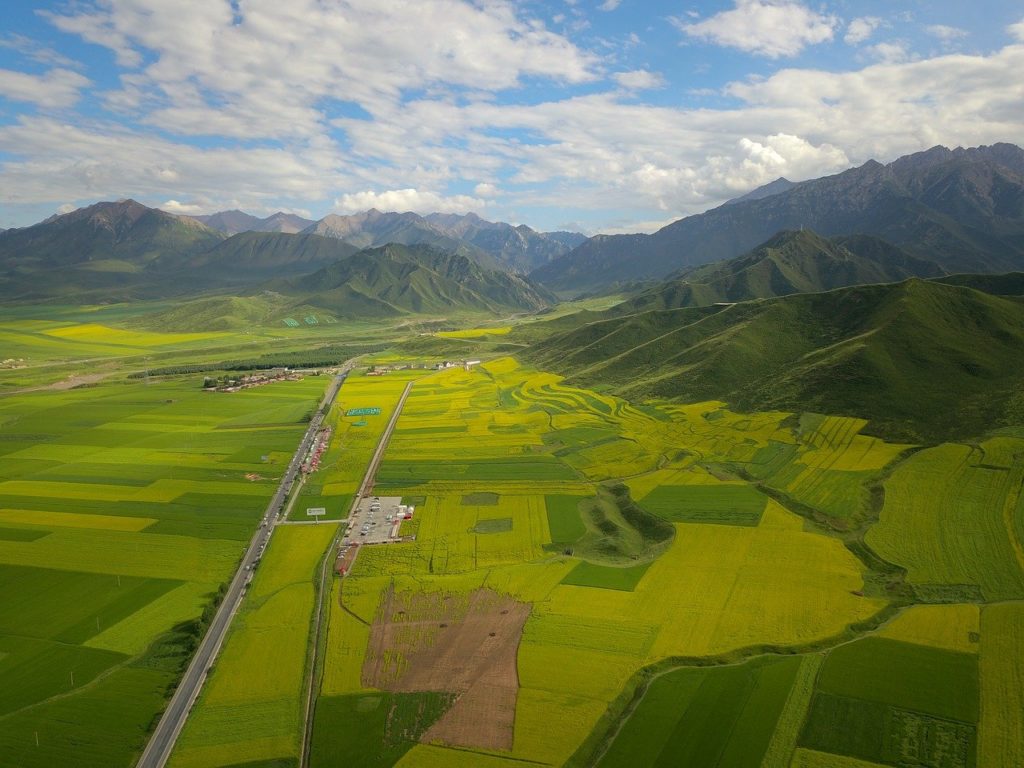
<point x="161" y="742"/>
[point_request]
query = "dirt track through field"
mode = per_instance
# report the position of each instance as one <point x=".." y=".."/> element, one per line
<point x="463" y="644"/>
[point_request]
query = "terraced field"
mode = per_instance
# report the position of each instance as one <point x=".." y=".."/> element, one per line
<point x="124" y="507"/>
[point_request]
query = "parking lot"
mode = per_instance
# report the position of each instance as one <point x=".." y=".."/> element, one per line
<point x="373" y="520"/>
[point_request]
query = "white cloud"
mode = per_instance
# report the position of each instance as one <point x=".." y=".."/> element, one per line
<point x="36" y="51"/>
<point x="771" y="28"/>
<point x="56" y="88"/>
<point x="183" y="209"/>
<point x="485" y="190"/>
<point x="632" y="227"/>
<point x="759" y="162"/>
<point x="402" y="200"/>
<point x="609" y="5"/>
<point x="57" y="160"/>
<point x="66" y="208"/>
<point x="890" y="52"/>
<point x="97" y="27"/>
<point x="1017" y="31"/>
<point x="639" y="80"/>
<point x="861" y="29"/>
<point x="945" y="33"/>
<point x="271" y="69"/>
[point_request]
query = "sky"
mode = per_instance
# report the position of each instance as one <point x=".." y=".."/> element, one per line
<point x="592" y="115"/>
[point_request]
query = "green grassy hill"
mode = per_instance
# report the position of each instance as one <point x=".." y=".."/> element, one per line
<point x="398" y="279"/>
<point x="922" y="360"/>
<point x="790" y="262"/>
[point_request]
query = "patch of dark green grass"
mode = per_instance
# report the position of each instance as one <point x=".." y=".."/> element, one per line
<point x="494" y="525"/>
<point x="721" y="504"/>
<point x="372" y="731"/>
<point x="880" y="733"/>
<point x="105" y="724"/>
<point x="33" y="670"/>
<point x="564" y="519"/>
<point x="712" y="717"/>
<point x="480" y="499"/>
<point x="932" y="681"/>
<point x="70" y="606"/>
<point x="606" y="577"/>
<point x="22" y="534"/>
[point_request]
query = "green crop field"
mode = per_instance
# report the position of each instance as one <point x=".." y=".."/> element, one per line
<point x="738" y="504"/>
<point x="261" y="671"/>
<point x="564" y="520"/>
<point x="712" y="717"/>
<point x="1001" y="732"/>
<point x="891" y="702"/>
<point x="592" y="575"/>
<point x="124" y="506"/>
<point x="962" y="539"/>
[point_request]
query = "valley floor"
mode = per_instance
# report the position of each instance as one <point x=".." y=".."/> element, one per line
<point x="584" y="581"/>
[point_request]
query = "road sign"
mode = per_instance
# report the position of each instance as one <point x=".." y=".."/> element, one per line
<point x="363" y="412"/>
<point x="316" y="511"/>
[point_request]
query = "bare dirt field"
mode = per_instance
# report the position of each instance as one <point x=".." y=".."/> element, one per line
<point x="462" y="644"/>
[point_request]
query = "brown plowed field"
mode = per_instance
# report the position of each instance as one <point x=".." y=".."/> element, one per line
<point x="463" y="644"/>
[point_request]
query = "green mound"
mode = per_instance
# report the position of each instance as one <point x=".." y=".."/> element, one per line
<point x="618" y="531"/>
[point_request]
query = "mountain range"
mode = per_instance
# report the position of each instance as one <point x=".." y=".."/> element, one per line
<point x="932" y="213"/>
<point x="962" y="209"/>
<point x="495" y="245"/>
<point x="492" y="244"/>
<point x="234" y="222"/>
<point x="124" y="250"/>
<point x="107" y="251"/>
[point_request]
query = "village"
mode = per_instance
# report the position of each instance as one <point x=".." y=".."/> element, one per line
<point x="237" y="382"/>
<point x="380" y="370"/>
